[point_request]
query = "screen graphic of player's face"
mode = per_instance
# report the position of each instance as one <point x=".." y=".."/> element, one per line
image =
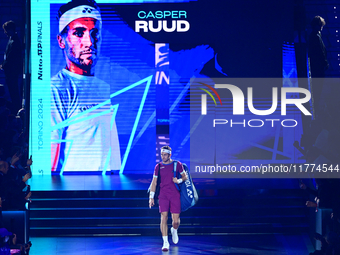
<point x="81" y="45"/>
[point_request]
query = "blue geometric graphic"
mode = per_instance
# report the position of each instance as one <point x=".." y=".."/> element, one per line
<point x="113" y="108"/>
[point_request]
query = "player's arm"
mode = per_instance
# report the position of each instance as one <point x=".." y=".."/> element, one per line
<point x="152" y="191"/>
<point x="183" y="178"/>
<point x="153" y="184"/>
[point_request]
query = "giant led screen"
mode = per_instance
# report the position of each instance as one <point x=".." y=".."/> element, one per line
<point x="114" y="81"/>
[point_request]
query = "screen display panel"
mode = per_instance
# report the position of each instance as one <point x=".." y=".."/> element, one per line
<point x="111" y="80"/>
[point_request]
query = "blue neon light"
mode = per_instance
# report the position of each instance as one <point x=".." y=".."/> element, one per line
<point x="148" y="79"/>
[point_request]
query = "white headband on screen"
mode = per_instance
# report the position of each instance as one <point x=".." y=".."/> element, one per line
<point x="166" y="151"/>
<point x="82" y="11"/>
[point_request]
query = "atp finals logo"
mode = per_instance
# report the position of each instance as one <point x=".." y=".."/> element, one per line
<point x="238" y="105"/>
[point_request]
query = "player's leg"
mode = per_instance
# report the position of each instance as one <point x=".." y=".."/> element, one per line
<point x="175" y="209"/>
<point x="164" y="205"/>
<point x="164" y="230"/>
<point x="175" y="220"/>
<point x="175" y="226"/>
<point x="164" y="225"/>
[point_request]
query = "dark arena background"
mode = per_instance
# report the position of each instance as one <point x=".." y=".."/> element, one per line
<point x="267" y="182"/>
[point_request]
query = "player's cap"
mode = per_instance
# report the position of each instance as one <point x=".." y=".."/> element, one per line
<point x="82" y="11"/>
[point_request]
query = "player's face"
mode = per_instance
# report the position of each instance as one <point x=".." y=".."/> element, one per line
<point x="82" y="42"/>
<point x="165" y="157"/>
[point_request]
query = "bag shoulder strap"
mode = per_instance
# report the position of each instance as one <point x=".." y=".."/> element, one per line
<point x="175" y="173"/>
<point x="159" y="174"/>
<point x="175" y="167"/>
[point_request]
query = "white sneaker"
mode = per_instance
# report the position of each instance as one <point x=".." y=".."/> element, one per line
<point x="165" y="247"/>
<point x="175" y="238"/>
